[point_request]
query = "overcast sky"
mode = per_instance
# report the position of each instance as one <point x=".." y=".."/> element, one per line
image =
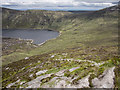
<point x="58" y="4"/>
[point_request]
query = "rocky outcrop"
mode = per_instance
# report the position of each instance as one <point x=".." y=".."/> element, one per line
<point x="58" y="80"/>
<point x="106" y="80"/>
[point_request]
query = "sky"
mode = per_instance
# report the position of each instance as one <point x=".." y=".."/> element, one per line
<point x="58" y="4"/>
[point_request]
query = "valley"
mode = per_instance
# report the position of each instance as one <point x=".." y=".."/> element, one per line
<point x="86" y="50"/>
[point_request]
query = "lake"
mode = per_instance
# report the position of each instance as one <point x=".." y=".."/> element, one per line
<point x="39" y="36"/>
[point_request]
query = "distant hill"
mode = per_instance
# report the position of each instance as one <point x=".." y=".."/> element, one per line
<point x="80" y="11"/>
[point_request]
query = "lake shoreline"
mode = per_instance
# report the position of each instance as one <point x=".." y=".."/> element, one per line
<point x="32" y="41"/>
<point x="49" y="40"/>
<point x="32" y="29"/>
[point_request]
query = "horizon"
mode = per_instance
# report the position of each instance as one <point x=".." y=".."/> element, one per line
<point x="52" y="9"/>
<point x="58" y="5"/>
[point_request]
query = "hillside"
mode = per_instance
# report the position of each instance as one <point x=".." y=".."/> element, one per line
<point x="31" y="18"/>
<point x="85" y="52"/>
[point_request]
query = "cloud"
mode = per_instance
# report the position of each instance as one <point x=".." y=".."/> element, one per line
<point x="97" y="1"/>
<point x="87" y="4"/>
<point x="96" y="4"/>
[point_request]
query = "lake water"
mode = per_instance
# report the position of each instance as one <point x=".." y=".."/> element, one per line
<point x="39" y="36"/>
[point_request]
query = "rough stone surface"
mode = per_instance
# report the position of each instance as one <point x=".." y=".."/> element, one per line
<point x="58" y="80"/>
<point x="60" y="73"/>
<point x="72" y="69"/>
<point x="106" y="80"/>
<point x="36" y="82"/>
<point x="41" y="72"/>
<point x="83" y="83"/>
<point x="26" y="57"/>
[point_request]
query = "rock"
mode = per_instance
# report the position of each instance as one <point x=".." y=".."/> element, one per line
<point x="31" y="75"/>
<point x="52" y="56"/>
<point x="41" y="72"/>
<point x="26" y="57"/>
<point x="11" y="84"/>
<point x="64" y="82"/>
<point x="106" y="80"/>
<point x="60" y="73"/>
<point x="83" y="83"/>
<point x="22" y="82"/>
<point x="61" y="84"/>
<point x="7" y="68"/>
<point x="72" y="69"/>
<point x="36" y="82"/>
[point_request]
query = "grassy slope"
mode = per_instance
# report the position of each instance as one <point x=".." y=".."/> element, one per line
<point x="91" y="36"/>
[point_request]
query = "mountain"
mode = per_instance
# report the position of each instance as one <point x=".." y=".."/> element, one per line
<point x="30" y="18"/>
<point x="45" y="19"/>
<point x="86" y="50"/>
<point x="80" y="11"/>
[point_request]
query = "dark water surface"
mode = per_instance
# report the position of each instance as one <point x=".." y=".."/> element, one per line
<point x="39" y="36"/>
